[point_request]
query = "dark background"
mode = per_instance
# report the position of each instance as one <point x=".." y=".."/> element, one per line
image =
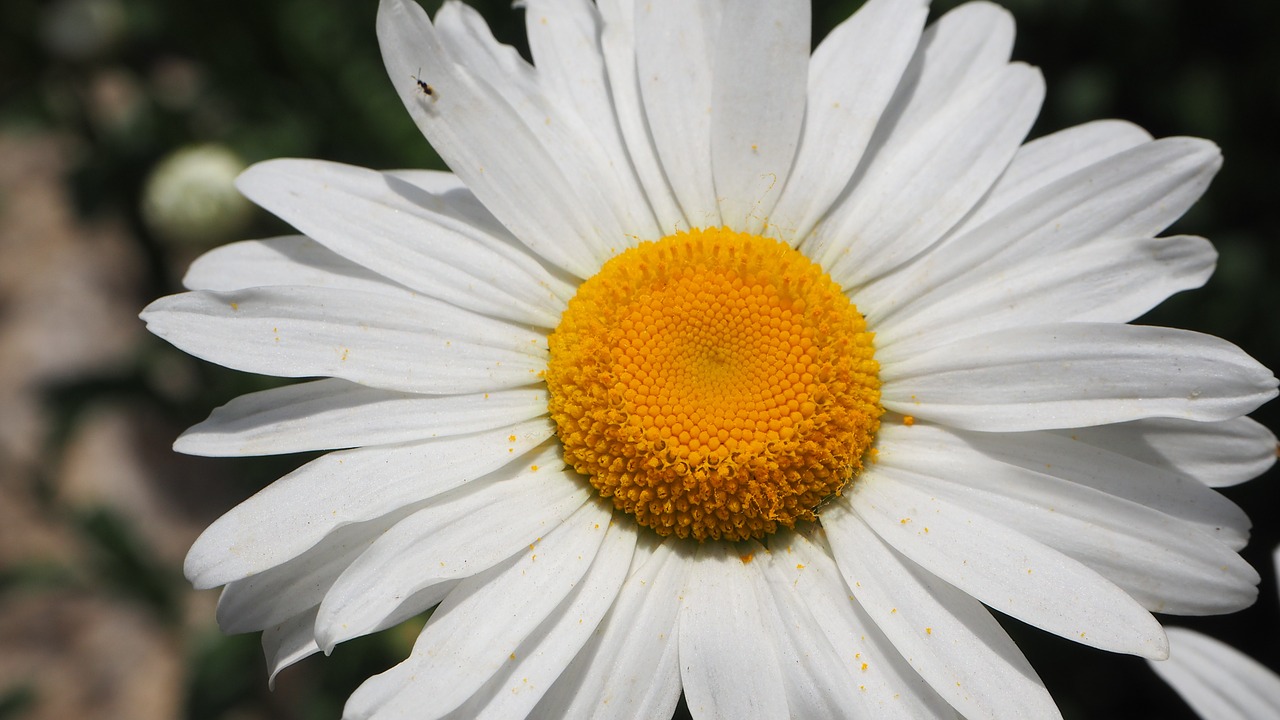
<point x="96" y="513"/>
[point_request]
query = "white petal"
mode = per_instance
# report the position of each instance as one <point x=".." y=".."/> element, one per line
<point x="295" y="512"/>
<point x="463" y="208"/>
<point x="946" y="635"/>
<point x="1045" y="160"/>
<point x="1117" y="471"/>
<point x="278" y="593"/>
<point x="1033" y="457"/>
<point x="618" y="43"/>
<point x="675" y="50"/>
<point x="817" y="681"/>
<point x="408" y="234"/>
<point x="544" y="656"/>
<point x="921" y="184"/>
<point x="502" y="152"/>
<point x="1218" y="681"/>
<point x="611" y="203"/>
<point x="629" y="668"/>
<point x="288" y="643"/>
<point x="466" y="38"/>
<point x="963" y="49"/>
<point x="1004" y="569"/>
<point x="462" y="202"/>
<point x="887" y="685"/>
<point x="1218" y="454"/>
<point x="331" y="414"/>
<point x="1133" y="194"/>
<point x="417" y="345"/>
<point x="1076" y="375"/>
<point x="852" y="76"/>
<point x="287" y="260"/>
<point x="1101" y="281"/>
<point x="564" y="39"/>
<point x="727" y="662"/>
<point x="1275" y="560"/>
<point x="761" y="62"/>
<point x="967" y="48"/>
<point x="471" y="215"/>
<point x="1165" y="564"/>
<point x="456" y="537"/>
<point x="462" y="647"/>
<point x="301" y="584"/>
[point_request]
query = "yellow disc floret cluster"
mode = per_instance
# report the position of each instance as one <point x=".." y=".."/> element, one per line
<point x="714" y="384"/>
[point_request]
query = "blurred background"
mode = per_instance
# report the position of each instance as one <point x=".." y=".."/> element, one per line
<point x="122" y="123"/>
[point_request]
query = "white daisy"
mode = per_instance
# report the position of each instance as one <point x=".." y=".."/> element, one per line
<point x="1218" y="681"/>
<point x="840" y="361"/>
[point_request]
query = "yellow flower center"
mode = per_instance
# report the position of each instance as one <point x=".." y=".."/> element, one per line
<point x="714" y="384"/>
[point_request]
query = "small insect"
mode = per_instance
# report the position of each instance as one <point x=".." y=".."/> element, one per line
<point x="423" y="86"/>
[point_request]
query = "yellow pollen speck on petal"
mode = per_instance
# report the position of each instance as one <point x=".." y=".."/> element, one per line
<point x="799" y="566"/>
<point x="928" y="631"/>
<point x="864" y="667"/>
<point x="533" y="468"/>
<point x="908" y="420"/>
<point x="511" y="438"/>
<point x="714" y="385"/>
<point x="746" y="559"/>
<point x="235" y="307"/>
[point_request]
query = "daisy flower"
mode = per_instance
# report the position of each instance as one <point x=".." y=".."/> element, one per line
<point x="1216" y="680"/>
<point x="720" y="367"/>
